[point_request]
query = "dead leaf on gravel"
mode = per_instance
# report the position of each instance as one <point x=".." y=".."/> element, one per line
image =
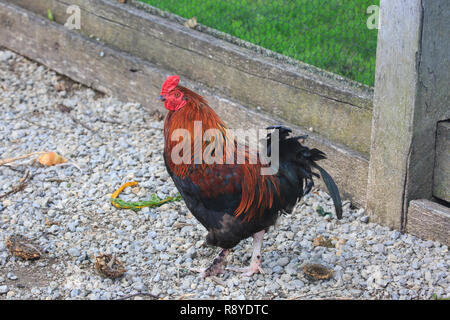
<point x="317" y="272"/>
<point x="63" y="108"/>
<point x="22" y="247"/>
<point x="108" y="266"/>
<point x="59" y="86"/>
<point x="50" y="223"/>
<point x="323" y="242"/>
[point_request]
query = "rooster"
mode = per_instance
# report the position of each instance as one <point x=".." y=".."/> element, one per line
<point x="233" y="201"/>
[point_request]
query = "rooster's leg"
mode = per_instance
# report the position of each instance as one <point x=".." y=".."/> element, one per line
<point x="216" y="266"/>
<point x="255" y="265"/>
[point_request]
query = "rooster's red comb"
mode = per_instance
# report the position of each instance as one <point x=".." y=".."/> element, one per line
<point x="170" y="84"/>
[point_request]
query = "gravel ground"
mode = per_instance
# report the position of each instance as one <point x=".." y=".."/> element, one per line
<point x="67" y="213"/>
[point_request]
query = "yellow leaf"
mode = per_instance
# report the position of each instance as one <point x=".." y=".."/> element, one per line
<point x="51" y="158"/>
<point x="191" y="23"/>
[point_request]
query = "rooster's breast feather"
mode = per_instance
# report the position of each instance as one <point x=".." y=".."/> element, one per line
<point x="218" y="186"/>
<point x="209" y="194"/>
<point x="234" y="189"/>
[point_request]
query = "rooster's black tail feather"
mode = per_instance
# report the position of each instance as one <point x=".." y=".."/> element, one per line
<point x="332" y="189"/>
<point x="305" y="159"/>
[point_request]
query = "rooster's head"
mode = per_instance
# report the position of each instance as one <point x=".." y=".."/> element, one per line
<point x="171" y="94"/>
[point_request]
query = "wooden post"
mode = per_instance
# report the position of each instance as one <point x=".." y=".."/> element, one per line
<point x="441" y="177"/>
<point x="411" y="95"/>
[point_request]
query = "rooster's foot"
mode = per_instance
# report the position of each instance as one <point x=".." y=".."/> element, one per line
<point x="255" y="265"/>
<point x="248" y="271"/>
<point x="216" y="267"/>
<point x="208" y="272"/>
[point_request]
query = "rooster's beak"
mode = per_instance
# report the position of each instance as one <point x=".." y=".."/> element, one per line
<point x="162" y="98"/>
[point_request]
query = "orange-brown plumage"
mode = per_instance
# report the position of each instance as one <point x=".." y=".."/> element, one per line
<point x="233" y="200"/>
<point x="197" y="109"/>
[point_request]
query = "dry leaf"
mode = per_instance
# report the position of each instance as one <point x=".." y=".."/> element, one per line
<point x="108" y="266"/>
<point x="63" y="108"/>
<point x="317" y="272"/>
<point x="59" y="86"/>
<point x="191" y="23"/>
<point x="322" y="242"/>
<point x="50" y="223"/>
<point x="22" y="247"/>
<point x="51" y="158"/>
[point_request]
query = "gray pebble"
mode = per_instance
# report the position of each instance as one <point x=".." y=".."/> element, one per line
<point x="429" y="244"/>
<point x="395" y="235"/>
<point x="11" y="276"/>
<point x="35" y="291"/>
<point x="364" y="219"/>
<point x="5" y="55"/>
<point x="283" y="261"/>
<point x="73" y="225"/>
<point x="298" y="284"/>
<point x="291" y="268"/>
<point x="379" y="248"/>
<point x="74" y="252"/>
<point x="3" y="289"/>
<point x="277" y="269"/>
<point x="54" y="229"/>
<point x="74" y="293"/>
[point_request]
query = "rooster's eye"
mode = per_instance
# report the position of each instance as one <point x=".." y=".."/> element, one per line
<point x="177" y="95"/>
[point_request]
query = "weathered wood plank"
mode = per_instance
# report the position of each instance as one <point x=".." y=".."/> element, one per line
<point x="411" y="96"/>
<point x="441" y="178"/>
<point x="133" y="79"/>
<point x="429" y="220"/>
<point x="336" y="109"/>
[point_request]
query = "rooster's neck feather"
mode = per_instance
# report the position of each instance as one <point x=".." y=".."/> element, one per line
<point x="197" y="109"/>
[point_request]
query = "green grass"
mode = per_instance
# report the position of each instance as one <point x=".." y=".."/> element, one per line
<point x="329" y="34"/>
